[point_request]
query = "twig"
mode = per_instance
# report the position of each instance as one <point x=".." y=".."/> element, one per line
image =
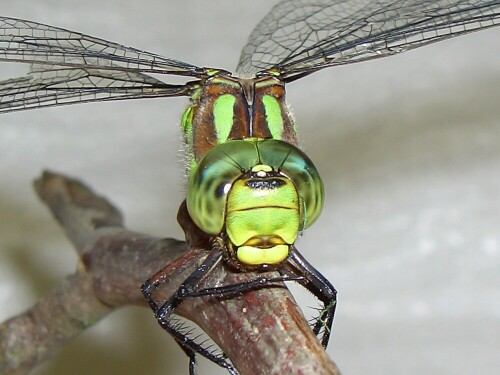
<point x="261" y="331"/>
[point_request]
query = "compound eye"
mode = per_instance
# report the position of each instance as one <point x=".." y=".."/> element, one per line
<point x="212" y="179"/>
<point x="214" y="176"/>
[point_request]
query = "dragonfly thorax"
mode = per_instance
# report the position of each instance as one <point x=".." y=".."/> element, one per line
<point x="224" y="108"/>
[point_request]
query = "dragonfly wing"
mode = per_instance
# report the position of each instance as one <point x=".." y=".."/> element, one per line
<point x="298" y="37"/>
<point x="47" y="86"/>
<point x="31" y="42"/>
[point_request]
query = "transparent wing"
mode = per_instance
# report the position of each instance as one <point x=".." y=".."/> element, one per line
<point x="69" y="67"/>
<point x="298" y="37"/>
<point x="45" y="87"/>
<point x="31" y="42"/>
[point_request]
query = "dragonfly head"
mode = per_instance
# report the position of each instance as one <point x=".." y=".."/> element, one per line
<point x="257" y="194"/>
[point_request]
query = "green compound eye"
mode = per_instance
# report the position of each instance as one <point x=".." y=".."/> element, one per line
<point x="215" y="176"/>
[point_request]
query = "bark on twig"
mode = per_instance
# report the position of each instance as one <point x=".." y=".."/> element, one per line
<point x="262" y="331"/>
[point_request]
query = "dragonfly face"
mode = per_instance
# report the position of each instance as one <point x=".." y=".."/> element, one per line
<point x="248" y="182"/>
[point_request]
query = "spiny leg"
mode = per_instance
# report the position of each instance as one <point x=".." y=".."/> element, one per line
<point x="191" y="348"/>
<point x="317" y="284"/>
<point x="163" y="313"/>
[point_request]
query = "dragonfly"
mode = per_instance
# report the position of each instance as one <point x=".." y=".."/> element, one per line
<point x="250" y="187"/>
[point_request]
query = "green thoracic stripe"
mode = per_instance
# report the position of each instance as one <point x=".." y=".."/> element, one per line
<point x="273" y="116"/>
<point x="187" y="123"/>
<point x="223" y="116"/>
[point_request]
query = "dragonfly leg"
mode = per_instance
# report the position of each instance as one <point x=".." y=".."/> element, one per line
<point x="299" y="270"/>
<point x="233" y="289"/>
<point x="164" y="313"/>
<point x="317" y="284"/>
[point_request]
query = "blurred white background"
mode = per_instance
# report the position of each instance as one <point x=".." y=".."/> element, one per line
<point x="409" y="150"/>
